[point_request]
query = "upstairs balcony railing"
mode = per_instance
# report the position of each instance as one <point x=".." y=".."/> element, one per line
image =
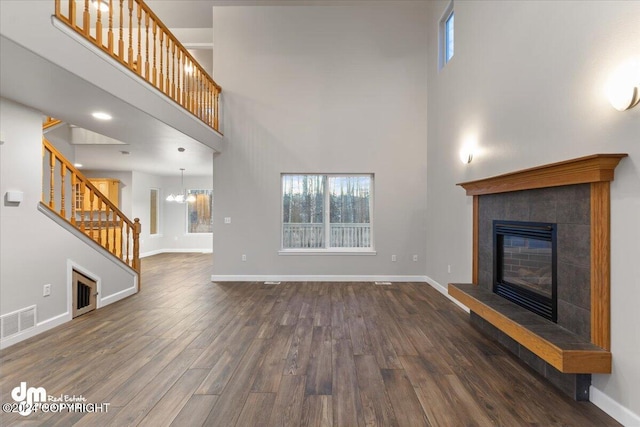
<point x="128" y="31"/>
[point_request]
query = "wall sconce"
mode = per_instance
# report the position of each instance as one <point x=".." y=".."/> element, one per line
<point x="623" y="87"/>
<point x="469" y="148"/>
<point x="466" y="156"/>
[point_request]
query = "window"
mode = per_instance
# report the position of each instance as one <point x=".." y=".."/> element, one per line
<point x="446" y="36"/>
<point x="154" y="210"/>
<point x="327" y="212"/>
<point x="199" y="204"/>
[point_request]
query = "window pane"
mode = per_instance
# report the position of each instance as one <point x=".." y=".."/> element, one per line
<point x="302" y="211"/>
<point x="350" y="216"/>
<point x="199" y="219"/>
<point x="449" y="37"/>
<point x="153" y="211"/>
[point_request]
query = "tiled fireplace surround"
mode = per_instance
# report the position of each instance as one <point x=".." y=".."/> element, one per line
<point x="568" y="207"/>
<point x="575" y="196"/>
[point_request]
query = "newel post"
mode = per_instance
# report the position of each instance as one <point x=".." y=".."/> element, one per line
<point x="136" y="244"/>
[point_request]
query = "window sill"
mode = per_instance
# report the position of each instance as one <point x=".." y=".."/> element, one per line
<point x="357" y="252"/>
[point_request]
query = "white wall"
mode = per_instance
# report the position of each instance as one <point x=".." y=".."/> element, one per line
<point x="29" y="239"/>
<point x="332" y="89"/>
<point x="527" y="80"/>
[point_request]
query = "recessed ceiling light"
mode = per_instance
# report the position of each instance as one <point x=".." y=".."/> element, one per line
<point x="101" y="116"/>
<point x="78" y="165"/>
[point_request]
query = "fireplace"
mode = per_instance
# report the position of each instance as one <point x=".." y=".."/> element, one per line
<point x="525" y="266"/>
<point x="570" y="199"/>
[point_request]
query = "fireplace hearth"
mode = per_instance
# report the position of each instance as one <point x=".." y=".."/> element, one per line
<point x="525" y="265"/>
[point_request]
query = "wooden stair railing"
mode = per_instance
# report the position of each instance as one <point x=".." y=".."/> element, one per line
<point x="68" y="193"/>
<point x="50" y="122"/>
<point x="129" y="32"/>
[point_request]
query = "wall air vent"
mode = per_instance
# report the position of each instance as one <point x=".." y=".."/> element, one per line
<point x="17" y="321"/>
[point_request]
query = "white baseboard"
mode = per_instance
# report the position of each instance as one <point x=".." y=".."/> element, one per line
<point x="151" y="253"/>
<point x="119" y="295"/>
<point x="614" y="409"/>
<point x="313" y="278"/>
<point x="443" y="290"/>
<point x="173" y="250"/>
<point x="40" y="328"/>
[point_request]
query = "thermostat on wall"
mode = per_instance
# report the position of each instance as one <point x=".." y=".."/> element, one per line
<point x="15" y="196"/>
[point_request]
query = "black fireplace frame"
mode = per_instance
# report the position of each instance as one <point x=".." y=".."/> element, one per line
<point x="532" y="301"/>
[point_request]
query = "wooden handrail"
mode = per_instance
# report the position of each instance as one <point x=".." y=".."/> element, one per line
<point x="103" y="221"/>
<point x="147" y="47"/>
<point x="50" y="122"/>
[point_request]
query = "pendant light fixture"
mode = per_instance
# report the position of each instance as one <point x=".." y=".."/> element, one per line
<point x="181" y="197"/>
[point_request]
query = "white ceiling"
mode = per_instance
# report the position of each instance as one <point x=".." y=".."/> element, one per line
<point x="199" y="13"/>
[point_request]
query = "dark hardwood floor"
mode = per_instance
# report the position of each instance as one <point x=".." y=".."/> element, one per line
<point x="188" y="352"/>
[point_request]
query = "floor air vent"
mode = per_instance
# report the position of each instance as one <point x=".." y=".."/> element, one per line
<point x="18" y="321"/>
<point x="383" y="283"/>
<point x="271" y="283"/>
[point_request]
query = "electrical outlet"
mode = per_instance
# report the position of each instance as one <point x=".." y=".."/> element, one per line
<point x="227" y="220"/>
<point x="394" y="258"/>
<point x="244" y="257"/>
<point x="415" y="258"/>
<point x="449" y="268"/>
<point x="46" y="290"/>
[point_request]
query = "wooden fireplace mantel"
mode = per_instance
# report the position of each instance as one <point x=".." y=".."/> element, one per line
<point x="583" y="170"/>
<point x="596" y="170"/>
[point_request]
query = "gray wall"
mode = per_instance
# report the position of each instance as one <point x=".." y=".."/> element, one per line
<point x="34" y="250"/>
<point x="332" y="89"/>
<point x="527" y="80"/>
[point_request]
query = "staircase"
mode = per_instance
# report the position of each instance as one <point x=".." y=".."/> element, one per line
<point x="70" y="195"/>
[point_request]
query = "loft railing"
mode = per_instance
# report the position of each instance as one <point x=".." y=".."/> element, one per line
<point x="69" y="194"/>
<point x="131" y="33"/>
